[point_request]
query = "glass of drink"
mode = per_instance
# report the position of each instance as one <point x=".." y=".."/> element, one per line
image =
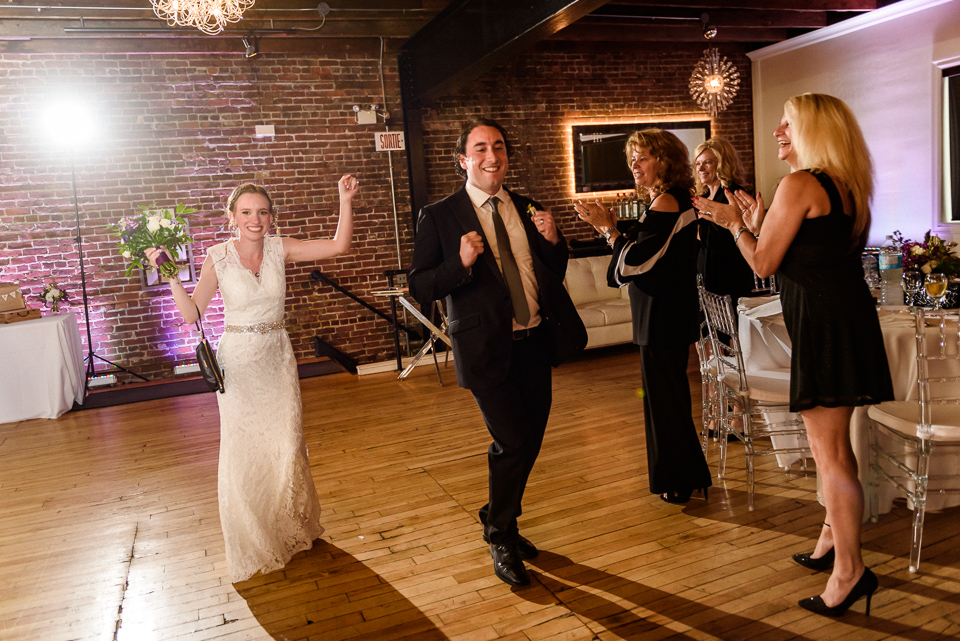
<point x="911" y="283"/>
<point x="936" y="286"/>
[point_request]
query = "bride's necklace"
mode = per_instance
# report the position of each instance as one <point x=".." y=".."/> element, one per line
<point x="256" y="273"/>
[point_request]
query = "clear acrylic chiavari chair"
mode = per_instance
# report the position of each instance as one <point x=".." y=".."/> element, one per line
<point x="752" y="407"/>
<point x="907" y="439"/>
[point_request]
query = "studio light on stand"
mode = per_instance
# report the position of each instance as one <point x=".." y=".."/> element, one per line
<point x="71" y="127"/>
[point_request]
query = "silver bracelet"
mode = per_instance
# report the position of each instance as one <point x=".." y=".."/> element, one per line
<point x="736" y="236"/>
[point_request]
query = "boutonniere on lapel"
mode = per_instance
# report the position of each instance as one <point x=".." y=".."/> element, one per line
<point x="531" y="210"/>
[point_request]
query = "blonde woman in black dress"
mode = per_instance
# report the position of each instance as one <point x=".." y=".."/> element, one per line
<point x="813" y="234"/>
<point x="716" y="173"/>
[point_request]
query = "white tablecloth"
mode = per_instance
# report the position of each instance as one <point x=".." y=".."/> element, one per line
<point x="766" y="345"/>
<point x="42" y="373"/>
<point x="766" y="353"/>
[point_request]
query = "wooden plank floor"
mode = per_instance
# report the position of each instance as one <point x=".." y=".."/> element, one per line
<point x="109" y="530"/>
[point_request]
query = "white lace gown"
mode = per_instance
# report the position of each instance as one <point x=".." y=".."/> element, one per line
<point x="269" y="509"/>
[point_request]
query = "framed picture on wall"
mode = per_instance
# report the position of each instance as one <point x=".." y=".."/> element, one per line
<point x="599" y="159"/>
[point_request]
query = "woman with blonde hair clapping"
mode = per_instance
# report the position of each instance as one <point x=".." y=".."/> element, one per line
<point x="812" y="237"/>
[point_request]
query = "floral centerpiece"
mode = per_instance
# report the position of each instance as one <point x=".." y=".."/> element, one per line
<point x="931" y="255"/>
<point x="152" y="228"/>
<point x="53" y="295"/>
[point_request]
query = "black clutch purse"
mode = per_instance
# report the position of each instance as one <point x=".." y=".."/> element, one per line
<point x="207" y="360"/>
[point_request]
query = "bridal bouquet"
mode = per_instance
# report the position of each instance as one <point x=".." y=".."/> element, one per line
<point x="52" y="295"/>
<point x="152" y="228"/>
<point x="931" y="256"/>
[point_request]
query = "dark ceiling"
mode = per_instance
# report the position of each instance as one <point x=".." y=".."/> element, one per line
<point x="98" y="26"/>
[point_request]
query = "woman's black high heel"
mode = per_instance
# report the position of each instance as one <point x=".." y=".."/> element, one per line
<point x="815" y="563"/>
<point x="678" y="497"/>
<point x="866" y="586"/>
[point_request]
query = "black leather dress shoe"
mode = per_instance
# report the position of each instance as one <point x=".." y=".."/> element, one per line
<point x="507" y="564"/>
<point x="527" y="549"/>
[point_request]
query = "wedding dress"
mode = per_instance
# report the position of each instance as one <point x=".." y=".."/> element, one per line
<point x="269" y="509"/>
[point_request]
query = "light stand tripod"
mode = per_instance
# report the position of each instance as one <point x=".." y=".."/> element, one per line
<point x="91" y="368"/>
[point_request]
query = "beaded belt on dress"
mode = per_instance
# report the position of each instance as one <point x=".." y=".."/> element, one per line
<point x="259" y="328"/>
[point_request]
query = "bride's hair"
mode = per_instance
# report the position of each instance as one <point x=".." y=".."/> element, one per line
<point x="248" y="188"/>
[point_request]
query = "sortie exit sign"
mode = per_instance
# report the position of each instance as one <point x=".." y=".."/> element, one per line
<point x="389" y="141"/>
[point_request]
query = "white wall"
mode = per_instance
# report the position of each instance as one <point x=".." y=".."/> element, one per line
<point x="886" y="65"/>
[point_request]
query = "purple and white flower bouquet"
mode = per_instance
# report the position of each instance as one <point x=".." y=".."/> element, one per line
<point x="152" y="227"/>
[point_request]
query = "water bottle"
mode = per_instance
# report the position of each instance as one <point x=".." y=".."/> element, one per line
<point x="891" y="273"/>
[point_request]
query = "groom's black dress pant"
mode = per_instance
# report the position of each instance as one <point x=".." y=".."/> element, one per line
<point x="516" y="413"/>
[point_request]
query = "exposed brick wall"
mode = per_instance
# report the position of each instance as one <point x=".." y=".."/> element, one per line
<point x="539" y="96"/>
<point x="179" y="128"/>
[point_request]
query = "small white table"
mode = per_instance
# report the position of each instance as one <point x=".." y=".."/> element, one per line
<point x="42" y="373"/>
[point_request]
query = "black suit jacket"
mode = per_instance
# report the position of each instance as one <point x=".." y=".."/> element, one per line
<point x="479" y="312"/>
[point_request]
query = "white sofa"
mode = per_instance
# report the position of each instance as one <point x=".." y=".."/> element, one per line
<point x="605" y="311"/>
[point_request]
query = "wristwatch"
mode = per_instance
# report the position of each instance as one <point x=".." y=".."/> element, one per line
<point x="607" y="234"/>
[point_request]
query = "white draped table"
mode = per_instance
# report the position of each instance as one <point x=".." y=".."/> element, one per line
<point x="766" y="346"/>
<point x="42" y="373"/>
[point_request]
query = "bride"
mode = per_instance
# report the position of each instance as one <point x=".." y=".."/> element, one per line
<point x="269" y="509"/>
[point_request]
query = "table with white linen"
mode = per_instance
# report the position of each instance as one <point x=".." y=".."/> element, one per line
<point x="766" y="353"/>
<point x="765" y="344"/>
<point x="42" y="373"/>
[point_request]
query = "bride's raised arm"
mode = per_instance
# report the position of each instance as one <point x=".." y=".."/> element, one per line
<point x="313" y="250"/>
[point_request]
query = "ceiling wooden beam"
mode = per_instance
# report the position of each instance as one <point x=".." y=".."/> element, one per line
<point x="387" y="28"/>
<point x="209" y="45"/>
<point x="472" y="36"/>
<point x="791" y="5"/>
<point x="627" y="16"/>
<point x="660" y="33"/>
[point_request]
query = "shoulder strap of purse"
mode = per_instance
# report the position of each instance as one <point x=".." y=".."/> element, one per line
<point x="199" y="324"/>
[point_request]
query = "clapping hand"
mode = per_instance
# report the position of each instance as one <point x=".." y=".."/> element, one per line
<point x="753" y="209"/>
<point x="600" y="217"/>
<point x="726" y="215"/>
<point x="745" y="210"/>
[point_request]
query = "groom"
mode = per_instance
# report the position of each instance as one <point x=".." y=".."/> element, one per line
<point x="499" y="260"/>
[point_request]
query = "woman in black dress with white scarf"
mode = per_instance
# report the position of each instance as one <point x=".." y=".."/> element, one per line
<point x="660" y="268"/>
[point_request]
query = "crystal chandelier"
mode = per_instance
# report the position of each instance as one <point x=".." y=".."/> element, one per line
<point x="209" y="16"/>
<point x="714" y="82"/>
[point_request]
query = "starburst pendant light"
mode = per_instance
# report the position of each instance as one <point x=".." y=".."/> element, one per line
<point x="714" y="82"/>
<point x="209" y="16"/>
